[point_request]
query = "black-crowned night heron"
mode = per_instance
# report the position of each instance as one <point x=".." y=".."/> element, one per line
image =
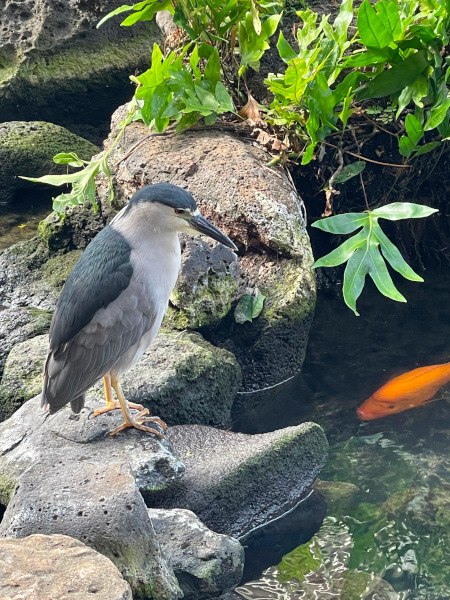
<point x="115" y="298"/>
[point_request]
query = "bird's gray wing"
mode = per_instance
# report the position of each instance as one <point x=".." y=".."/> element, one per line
<point x="113" y="335"/>
<point x="102" y="273"/>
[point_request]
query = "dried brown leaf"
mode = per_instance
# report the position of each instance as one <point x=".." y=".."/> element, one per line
<point x="250" y="110"/>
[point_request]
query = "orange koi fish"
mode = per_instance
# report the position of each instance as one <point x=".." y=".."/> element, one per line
<point x="405" y="391"/>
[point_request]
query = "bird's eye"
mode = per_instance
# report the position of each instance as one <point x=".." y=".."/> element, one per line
<point x="179" y="211"/>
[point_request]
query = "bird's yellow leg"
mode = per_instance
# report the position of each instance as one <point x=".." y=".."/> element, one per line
<point x="138" y="421"/>
<point x="110" y="403"/>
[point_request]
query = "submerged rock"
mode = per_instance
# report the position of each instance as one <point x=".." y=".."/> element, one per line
<point x="56" y="566"/>
<point x="236" y="482"/>
<point x="181" y="376"/>
<point x="28" y="148"/>
<point x="205" y="563"/>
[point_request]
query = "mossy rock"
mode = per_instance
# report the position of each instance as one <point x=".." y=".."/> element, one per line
<point x="23" y="374"/>
<point x="184" y="379"/>
<point x="28" y="148"/>
<point x="32" y="275"/>
<point x="340" y="496"/>
<point x="207" y="284"/>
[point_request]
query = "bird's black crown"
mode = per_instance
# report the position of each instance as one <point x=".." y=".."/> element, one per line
<point x="165" y="193"/>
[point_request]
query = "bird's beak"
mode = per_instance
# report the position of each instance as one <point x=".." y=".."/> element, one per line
<point x="202" y="225"/>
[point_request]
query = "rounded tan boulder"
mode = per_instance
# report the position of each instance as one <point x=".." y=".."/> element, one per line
<point x="44" y="567"/>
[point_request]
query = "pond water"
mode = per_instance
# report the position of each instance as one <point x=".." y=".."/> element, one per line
<point x="394" y="525"/>
<point x="20" y="219"/>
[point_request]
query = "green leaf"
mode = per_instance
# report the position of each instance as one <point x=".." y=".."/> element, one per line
<point x="342" y="253"/>
<point x="207" y="99"/>
<point x="369" y="58"/>
<point x="413" y="129"/>
<point x="341" y="224"/>
<point x="426" y="148"/>
<point x="366" y="252"/>
<point x="406" y="146"/>
<point x="389" y="15"/>
<point x="212" y="70"/>
<point x="148" y="13"/>
<point x="395" y="79"/>
<point x="69" y="158"/>
<point x="117" y="11"/>
<point x="350" y="171"/>
<point x="436" y="115"/>
<point x="371" y="28"/>
<point x="187" y="121"/>
<point x="308" y="154"/>
<point x="342" y="22"/>
<point x="403" y="210"/>
<point x="224" y="98"/>
<point x="249" y="307"/>
<point x="392" y="254"/>
<point x="284" y="49"/>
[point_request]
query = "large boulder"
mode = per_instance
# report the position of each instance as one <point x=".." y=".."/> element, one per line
<point x="91" y="488"/>
<point x="235" y="482"/>
<point x="181" y="376"/>
<point x="28" y="149"/>
<point x="261" y="211"/>
<point x="41" y="567"/>
<point x="56" y="66"/>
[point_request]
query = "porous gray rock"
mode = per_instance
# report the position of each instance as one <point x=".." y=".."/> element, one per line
<point x="99" y="505"/>
<point x="23" y="374"/>
<point x="236" y="482"/>
<point x="181" y="376"/>
<point x="207" y="284"/>
<point x="32" y="435"/>
<point x="55" y="65"/>
<point x="19" y="324"/>
<point x="90" y="489"/>
<point x="205" y="563"/>
<point x="43" y="567"/>
<point x="31" y="276"/>
<point x="28" y="148"/>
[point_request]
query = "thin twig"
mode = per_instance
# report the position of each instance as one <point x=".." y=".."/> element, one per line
<point x="376" y="162"/>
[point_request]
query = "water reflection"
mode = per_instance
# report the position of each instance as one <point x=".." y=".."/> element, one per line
<point x="394" y="537"/>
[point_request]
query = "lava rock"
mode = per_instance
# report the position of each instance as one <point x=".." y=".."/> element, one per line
<point x="205" y="563"/>
<point x="236" y="482"/>
<point x="56" y="566"/>
<point x="181" y="377"/>
<point x="55" y="65"/>
<point x="19" y="324"/>
<point x="28" y="148"/>
<point x="99" y="505"/>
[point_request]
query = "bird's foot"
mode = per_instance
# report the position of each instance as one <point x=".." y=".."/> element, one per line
<point x="116" y="406"/>
<point x="138" y="423"/>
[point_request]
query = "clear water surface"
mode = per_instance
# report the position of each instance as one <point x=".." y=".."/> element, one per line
<point x="390" y="538"/>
